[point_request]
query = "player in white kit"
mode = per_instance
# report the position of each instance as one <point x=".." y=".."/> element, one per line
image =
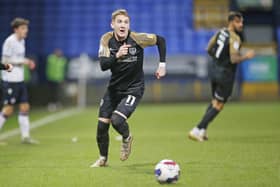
<point x="13" y="86"/>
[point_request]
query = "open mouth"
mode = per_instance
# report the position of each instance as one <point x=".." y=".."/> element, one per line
<point x="122" y="31"/>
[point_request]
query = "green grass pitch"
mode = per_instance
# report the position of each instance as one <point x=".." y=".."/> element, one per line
<point x="243" y="149"/>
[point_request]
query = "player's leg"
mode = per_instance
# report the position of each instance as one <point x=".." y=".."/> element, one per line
<point x="9" y="94"/>
<point x="23" y="116"/>
<point x="119" y="121"/>
<point x="221" y="91"/>
<point x="195" y="133"/>
<point x="24" y="124"/>
<point x="9" y="98"/>
<point x="102" y="134"/>
<point x="7" y="111"/>
<point x="23" y="120"/>
<point x="215" y="107"/>
<point x="102" y="138"/>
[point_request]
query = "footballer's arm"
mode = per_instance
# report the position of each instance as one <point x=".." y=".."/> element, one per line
<point x="211" y="44"/>
<point x="235" y="56"/>
<point x="7" y="67"/>
<point x="105" y="58"/>
<point x="106" y="62"/>
<point x="145" y="40"/>
<point x="15" y="60"/>
<point x="7" y="57"/>
<point x="161" y="71"/>
<point x="161" y="48"/>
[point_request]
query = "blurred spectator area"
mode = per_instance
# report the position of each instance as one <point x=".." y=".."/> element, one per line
<point x="210" y="14"/>
<point x="75" y="26"/>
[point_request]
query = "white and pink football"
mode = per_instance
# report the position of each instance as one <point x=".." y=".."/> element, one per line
<point x="167" y="171"/>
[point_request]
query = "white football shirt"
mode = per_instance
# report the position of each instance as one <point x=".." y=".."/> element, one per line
<point x="13" y="52"/>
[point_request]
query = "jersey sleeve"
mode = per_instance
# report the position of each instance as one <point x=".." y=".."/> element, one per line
<point x="7" y="49"/>
<point x="8" y="55"/>
<point x="211" y="45"/>
<point x="211" y="42"/>
<point x="104" y="50"/>
<point x="234" y="44"/>
<point x="144" y="39"/>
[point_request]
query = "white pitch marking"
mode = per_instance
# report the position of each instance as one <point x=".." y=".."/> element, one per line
<point x="42" y="122"/>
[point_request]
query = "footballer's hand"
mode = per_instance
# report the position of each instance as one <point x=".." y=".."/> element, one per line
<point x="250" y="54"/>
<point x="31" y="64"/>
<point x="161" y="71"/>
<point x="9" y="67"/>
<point x="123" y="50"/>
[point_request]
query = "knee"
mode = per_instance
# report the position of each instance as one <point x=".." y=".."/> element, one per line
<point x="24" y="108"/>
<point x="8" y="110"/>
<point x="117" y="120"/>
<point x="218" y="105"/>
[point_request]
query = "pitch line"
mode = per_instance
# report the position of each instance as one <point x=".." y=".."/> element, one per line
<point x="42" y="122"/>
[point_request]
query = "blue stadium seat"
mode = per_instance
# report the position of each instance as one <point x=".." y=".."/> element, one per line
<point x="78" y="24"/>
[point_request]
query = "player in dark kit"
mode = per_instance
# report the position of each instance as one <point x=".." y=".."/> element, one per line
<point x="224" y="49"/>
<point x="122" y="51"/>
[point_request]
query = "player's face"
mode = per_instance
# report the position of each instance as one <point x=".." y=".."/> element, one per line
<point x="22" y="31"/>
<point x="121" y="27"/>
<point x="238" y="24"/>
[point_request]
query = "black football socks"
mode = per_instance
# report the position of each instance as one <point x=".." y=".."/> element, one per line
<point x="120" y="125"/>
<point x="209" y="107"/>
<point x="103" y="138"/>
<point x="208" y="117"/>
<point x="122" y="129"/>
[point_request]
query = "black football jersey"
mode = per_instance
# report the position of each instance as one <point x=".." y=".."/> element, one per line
<point x="221" y="46"/>
<point x="127" y="72"/>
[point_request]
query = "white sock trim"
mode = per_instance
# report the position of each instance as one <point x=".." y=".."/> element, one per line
<point x="121" y="114"/>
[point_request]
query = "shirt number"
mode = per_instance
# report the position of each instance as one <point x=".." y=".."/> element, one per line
<point x="221" y="43"/>
<point x="130" y="100"/>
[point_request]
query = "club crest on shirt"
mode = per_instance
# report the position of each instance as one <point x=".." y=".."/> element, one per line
<point x="132" y="50"/>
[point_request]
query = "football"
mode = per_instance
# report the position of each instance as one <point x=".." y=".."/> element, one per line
<point x="167" y="171"/>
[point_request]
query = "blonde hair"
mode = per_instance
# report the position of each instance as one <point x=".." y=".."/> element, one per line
<point x="119" y="12"/>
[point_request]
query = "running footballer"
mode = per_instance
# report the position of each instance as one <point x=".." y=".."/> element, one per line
<point x="121" y="51"/>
